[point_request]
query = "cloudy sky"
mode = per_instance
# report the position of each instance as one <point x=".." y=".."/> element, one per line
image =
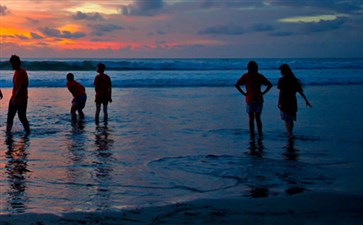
<point x="181" y="28"/>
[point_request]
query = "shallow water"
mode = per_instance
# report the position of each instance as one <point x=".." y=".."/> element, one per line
<point x="165" y="145"/>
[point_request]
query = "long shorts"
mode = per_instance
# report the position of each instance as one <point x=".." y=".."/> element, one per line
<point x="102" y="99"/>
<point x="288" y="116"/>
<point x="254" y="107"/>
<point x="80" y="100"/>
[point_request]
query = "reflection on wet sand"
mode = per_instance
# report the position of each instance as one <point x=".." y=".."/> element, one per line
<point x="76" y="149"/>
<point x="16" y="169"/>
<point x="291" y="154"/>
<point x="103" y="170"/>
<point x="256" y="148"/>
<point x="290" y="150"/>
<point x="289" y="171"/>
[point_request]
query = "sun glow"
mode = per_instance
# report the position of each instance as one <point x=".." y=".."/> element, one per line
<point x="309" y="19"/>
<point x="93" y="8"/>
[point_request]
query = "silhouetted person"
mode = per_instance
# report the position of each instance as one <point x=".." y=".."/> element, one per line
<point x="79" y="96"/>
<point x="1" y="95"/>
<point x="253" y="81"/>
<point x="19" y="99"/>
<point x="289" y="85"/>
<point x="103" y="88"/>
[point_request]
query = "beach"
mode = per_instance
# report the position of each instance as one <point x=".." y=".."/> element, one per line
<point x="183" y="155"/>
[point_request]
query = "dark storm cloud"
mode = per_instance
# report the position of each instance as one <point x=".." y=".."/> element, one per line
<point x="347" y="6"/>
<point x="223" y="30"/>
<point x="35" y="36"/>
<point x="261" y="27"/>
<point x="87" y="16"/>
<point x="237" y="30"/>
<point x="143" y="8"/>
<point x="101" y="29"/>
<point x="22" y="37"/>
<point x="323" y="25"/>
<point x="230" y="3"/>
<point x="281" y="33"/>
<point x="4" y="10"/>
<point x="51" y="32"/>
<point x="33" y="21"/>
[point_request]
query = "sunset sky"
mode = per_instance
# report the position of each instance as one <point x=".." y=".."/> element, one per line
<point x="181" y="28"/>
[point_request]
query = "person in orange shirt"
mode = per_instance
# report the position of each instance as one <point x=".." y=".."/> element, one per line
<point x="253" y="81"/>
<point x="103" y="88"/>
<point x="79" y="96"/>
<point x="19" y="99"/>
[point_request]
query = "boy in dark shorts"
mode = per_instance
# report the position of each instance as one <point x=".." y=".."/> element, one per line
<point x="19" y="99"/>
<point x="253" y="81"/>
<point x="79" y="96"/>
<point x="103" y="88"/>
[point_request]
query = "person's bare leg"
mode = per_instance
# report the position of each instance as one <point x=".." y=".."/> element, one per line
<point x="105" y="113"/>
<point x="289" y="124"/>
<point x="23" y="119"/>
<point x="251" y="125"/>
<point x="259" y="123"/>
<point x="73" y="111"/>
<point x="97" y="114"/>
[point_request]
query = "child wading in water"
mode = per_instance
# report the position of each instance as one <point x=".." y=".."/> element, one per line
<point x="103" y="88"/>
<point x="289" y="85"/>
<point x="253" y="81"/>
<point x="79" y="96"/>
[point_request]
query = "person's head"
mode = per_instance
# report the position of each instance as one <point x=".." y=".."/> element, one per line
<point x="15" y="61"/>
<point x="285" y="70"/>
<point x="100" y="68"/>
<point x="70" y="77"/>
<point x="252" y="67"/>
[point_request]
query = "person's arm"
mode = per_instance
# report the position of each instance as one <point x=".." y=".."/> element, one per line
<point x="110" y="91"/>
<point x="268" y="87"/>
<point x="301" y="92"/>
<point x="240" y="89"/>
<point x="70" y="88"/>
<point x="21" y="87"/>
<point x="279" y="102"/>
<point x="238" y="84"/>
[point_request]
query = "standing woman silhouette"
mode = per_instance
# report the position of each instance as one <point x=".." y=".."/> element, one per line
<point x="289" y="85"/>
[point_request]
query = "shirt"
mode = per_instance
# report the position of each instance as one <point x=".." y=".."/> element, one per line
<point x="287" y="97"/>
<point x="102" y="85"/>
<point x="20" y="86"/>
<point x="76" y="88"/>
<point x="253" y="82"/>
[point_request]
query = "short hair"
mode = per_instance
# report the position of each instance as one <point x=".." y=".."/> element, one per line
<point x="101" y="67"/>
<point x="70" y="77"/>
<point x="15" y="59"/>
<point x="252" y="67"/>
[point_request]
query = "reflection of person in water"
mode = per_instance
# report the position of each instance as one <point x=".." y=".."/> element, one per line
<point x="16" y="168"/>
<point x="290" y="150"/>
<point x="103" y="143"/>
<point x="103" y="164"/>
<point x="256" y="148"/>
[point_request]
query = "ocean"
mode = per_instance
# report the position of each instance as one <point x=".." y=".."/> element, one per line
<point x="177" y="132"/>
<point x="182" y="72"/>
